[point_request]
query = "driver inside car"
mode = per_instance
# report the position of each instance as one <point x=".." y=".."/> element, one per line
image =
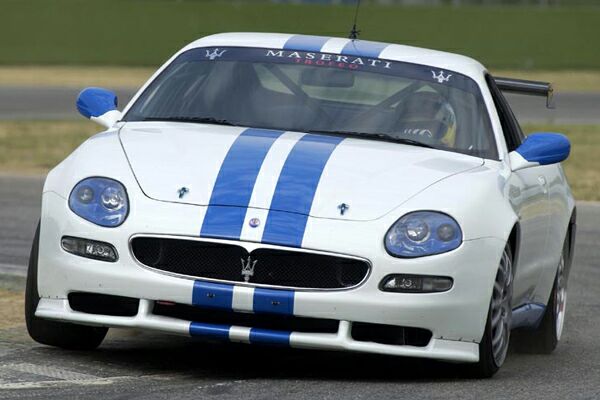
<point x="428" y="118"/>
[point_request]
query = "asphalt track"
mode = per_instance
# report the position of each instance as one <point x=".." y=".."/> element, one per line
<point x="141" y="365"/>
<point x="52" y="103"/>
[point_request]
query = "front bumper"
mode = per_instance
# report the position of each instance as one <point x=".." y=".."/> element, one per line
<point x="456" y="318"/>
<point x="440" y="349"/>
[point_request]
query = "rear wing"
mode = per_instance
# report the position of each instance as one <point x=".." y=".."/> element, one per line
<point x="531" y="88"/>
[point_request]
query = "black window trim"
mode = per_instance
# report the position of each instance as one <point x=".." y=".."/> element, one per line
<point x="511" y="129"/>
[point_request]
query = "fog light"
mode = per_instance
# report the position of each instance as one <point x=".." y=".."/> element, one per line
<point x="415" y="283"/>
<point x="89" y="249"/>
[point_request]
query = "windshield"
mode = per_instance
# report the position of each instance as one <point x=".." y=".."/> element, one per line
<point x="320" y="92"/>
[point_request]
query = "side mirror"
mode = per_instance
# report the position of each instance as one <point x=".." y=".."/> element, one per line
<point x="540" y="149"/>
<point x="99" y="105"/>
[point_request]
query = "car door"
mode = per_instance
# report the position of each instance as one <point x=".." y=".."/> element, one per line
<point x="528" y="195"/>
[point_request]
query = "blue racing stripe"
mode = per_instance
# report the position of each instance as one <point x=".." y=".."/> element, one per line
<point x="305" y="43"/>
<point x="284" y="228"/>
<point x="233" y="188"/>
<point x="213" y="331"/>
<point x="273" y="301"/>
<point x="266" y="336"/>
<point x="212" y="295"/>
<point x="363" y="48"/>
<point x="296" y="189"/>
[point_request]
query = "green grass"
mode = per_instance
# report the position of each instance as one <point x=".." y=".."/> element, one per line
<point x="134" y="77"/>
<point x="11" y="309"/>
<point x="583" y="166"/>
<point x="37" y="146"/>
<point x="147" y="32"/>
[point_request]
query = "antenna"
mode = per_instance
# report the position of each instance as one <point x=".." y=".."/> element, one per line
<point x="355" y="32"/>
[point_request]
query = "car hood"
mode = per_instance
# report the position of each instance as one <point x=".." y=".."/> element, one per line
<point x="283" y="171"/>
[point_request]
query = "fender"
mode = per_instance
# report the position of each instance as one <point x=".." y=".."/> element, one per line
<point x="100" y="155"/>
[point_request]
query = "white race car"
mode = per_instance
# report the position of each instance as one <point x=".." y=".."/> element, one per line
<point x="311" y="192"/>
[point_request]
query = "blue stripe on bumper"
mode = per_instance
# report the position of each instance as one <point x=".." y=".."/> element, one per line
<point x="220" y="296"/>
<point x="212" y="331"/>
<point x="273" y="301"/>
<point x="266" y="336"/>
<point x="212" y="295"/>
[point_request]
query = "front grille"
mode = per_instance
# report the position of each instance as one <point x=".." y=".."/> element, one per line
<point x="273" y="267"/>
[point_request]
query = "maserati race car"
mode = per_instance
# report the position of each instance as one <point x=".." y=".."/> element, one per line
<point x="311" y="192"/>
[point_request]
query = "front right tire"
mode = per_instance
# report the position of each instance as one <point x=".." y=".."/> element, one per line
<point x="54" y="333"/>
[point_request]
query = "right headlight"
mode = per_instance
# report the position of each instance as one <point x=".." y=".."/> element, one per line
<point x="101" y="201"/>
<point x="423" y="233"/>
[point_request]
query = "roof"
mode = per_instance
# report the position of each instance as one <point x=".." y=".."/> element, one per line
<point x="335" y="45"/>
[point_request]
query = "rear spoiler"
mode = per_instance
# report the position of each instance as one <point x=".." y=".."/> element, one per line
<point x="531" y="88"/>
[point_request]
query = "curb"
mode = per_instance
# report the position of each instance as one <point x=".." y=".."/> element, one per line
<point x="13" y="277"/>
<point x="13" y="270"/>
<point x="588" y="203"/>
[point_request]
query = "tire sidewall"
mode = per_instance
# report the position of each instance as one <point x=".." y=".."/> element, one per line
<point x="487" y="365"/>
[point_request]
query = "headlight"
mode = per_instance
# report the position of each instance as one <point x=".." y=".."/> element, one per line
<point x="423" y="233"/>
<point x="102" y="201"/>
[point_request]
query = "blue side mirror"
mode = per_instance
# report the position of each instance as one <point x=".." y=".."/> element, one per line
<point x="99" y="105"/>
<point x="540" y="149"/>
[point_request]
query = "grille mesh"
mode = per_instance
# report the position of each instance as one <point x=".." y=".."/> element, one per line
<point x="273" y="267"/>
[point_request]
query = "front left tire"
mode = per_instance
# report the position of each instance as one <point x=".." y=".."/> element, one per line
<point x="54" y="333"/>
<point x="494" y="343"/>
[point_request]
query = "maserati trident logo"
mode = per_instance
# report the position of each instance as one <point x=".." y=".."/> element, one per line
<point x="248" y="268"/>
<point x="214" y="54"/>
<point x="440" y="77"/>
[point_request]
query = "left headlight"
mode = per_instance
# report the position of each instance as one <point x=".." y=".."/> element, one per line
<point x="101" y="201"/>
<point x="423" y="233"/>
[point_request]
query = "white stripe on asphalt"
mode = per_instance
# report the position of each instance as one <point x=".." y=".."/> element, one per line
<point x="54" y="384"/>
<point x="50" y="372"/>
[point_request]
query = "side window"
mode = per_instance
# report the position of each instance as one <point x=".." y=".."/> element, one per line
<point x="510" y="126"/>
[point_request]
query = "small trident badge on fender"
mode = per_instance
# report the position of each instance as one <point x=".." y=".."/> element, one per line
<point x="248" y="268"/>
<point x="182" y="192"/>
<point x="343" y="208"/>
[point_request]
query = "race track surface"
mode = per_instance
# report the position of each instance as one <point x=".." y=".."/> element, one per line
<point x="59" y="103"/>
<point x="141" y="365"/>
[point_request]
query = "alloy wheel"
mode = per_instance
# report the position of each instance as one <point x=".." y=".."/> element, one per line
<point x="560" y="302"/>
<point x="501" y="309"/>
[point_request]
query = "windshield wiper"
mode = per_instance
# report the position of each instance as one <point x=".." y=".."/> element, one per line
<point x="198" y="120"/>
<point x="379" y="136"/>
